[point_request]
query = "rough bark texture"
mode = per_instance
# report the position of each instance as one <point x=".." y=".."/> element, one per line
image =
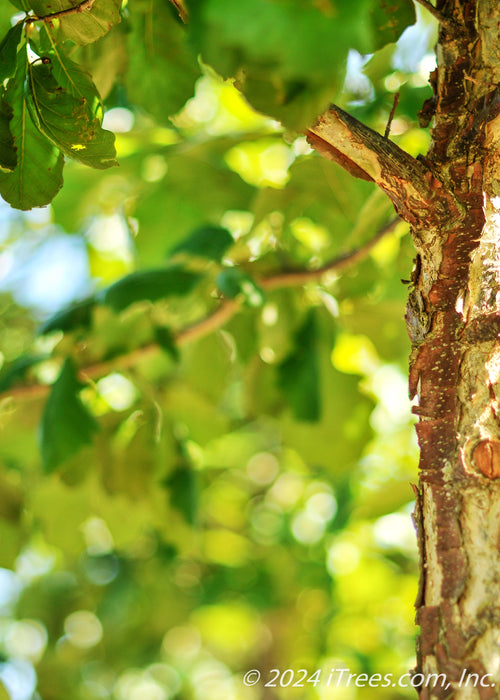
<point x="455" y="366"/>
<point x="451" y="198"/>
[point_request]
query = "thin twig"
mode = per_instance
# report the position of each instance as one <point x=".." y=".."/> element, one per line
<point x="445" y="21"/>
<point x="85" y="5"/>
<point x="217" y="319"/>
<point x="179" y="6"/>
<point x="391" y="115"/>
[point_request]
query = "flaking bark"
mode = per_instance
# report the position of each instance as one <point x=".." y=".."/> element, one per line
<point x="451" y="198"/>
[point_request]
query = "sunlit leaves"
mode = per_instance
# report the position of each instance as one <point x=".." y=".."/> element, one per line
<point x="84" y="27"/>
<point x="260" y="412"/>
<point x="66" y="423"/>
<point x="68" y="121"/>
<point x="37" y="176"/>
<point x="70" y="75"/>
<point x="289" y="57"/>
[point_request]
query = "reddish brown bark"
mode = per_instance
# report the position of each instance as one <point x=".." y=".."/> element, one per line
<point x="451" y="198"/>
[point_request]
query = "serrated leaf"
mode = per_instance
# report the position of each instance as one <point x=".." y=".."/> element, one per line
<point x="82" y="27"/>
<point x="79" y="314"/>
<point x="232" y="282"/>
<point x="149" y="285"/>
<point x="166" y="340"/>
<point x="66" y="424"/>
<point x="37" y="177"/>
<point x="209" y="242"/>
<point x="8" y="51"/>
<point x="298" y="375"/>
<point x="67" y="121"/>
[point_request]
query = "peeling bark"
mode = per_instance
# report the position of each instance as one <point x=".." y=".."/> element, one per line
<point x="452" y="200"/>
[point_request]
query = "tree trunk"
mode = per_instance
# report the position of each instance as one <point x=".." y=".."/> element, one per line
<point x="454" y="321"/>
<point x="451" y="198"/>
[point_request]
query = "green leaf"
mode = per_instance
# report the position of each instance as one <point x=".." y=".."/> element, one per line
<point x="79" y="314"/>
<point x="21" y="4"/>
<point x="149" y="285"/>
<point x="182" y="485"/>
<point x="37" y="177"/>
<point x="163" y="68"/>
<point x="17" y="370"/>
<point x="298" y="375"/>
<point x="232" y="282"/>
<point x="166" y="340"/>
<point x="70" y="75"/>
<point x="66" y="423"/>
<point x="8" y="51"/>
<point x="68" y="121"/>
<point x="8" y="155"/>
<point x="289" y="57"/>
<point x="390" y="19"/>
<point x="82" y="27"/>
<point x="209" y="242"/>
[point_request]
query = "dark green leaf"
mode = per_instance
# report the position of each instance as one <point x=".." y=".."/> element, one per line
<point x="8" y="155"/>
<point x="17" y="369"/>
<point x="37" y="177"/>
<point x="166" y="340"/>
<point x="8" y="51"/>
<point x="66" y="423"/>
<point x="79" y="314"/>
<point x="298" y="375"/>
<point x="149" y="285"/>
<point x="209" y="242"/>
<point x="182" y="485"/>
<point x="163" y="68"/>
<point x="232" y="282"/>
<point x="68" y="121"/>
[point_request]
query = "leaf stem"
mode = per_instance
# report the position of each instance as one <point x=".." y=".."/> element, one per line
<point x="217" y="319"/>
<point x="85" y="5"/>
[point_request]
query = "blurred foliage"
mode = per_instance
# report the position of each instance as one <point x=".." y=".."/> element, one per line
<point x="205" y="471"/>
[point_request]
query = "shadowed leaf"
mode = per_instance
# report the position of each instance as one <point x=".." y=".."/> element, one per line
<point x="66" y="423"/>
<point x="149" y="285"/>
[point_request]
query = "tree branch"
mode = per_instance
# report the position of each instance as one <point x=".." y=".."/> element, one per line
<point x="222" y="315"/>
<point x="367" y="154"/>
<point x="85" y="5"/>
<point x="442" y="19"/>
